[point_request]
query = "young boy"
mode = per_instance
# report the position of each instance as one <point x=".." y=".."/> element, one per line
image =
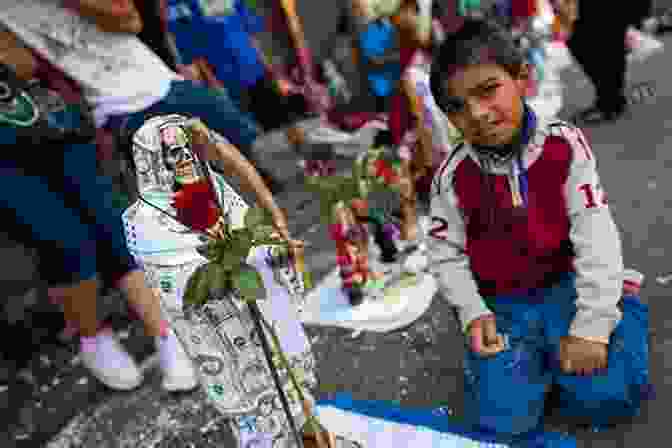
<point x="528" y="251"/>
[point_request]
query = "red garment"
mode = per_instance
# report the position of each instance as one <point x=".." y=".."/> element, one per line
<point x="523" y="9"/>
<point x="531" y="244"/>
<point x="401" y="118"/>
<point x="56" y="80"/>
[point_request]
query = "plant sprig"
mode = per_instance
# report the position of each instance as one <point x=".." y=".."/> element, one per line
<point x="226" y="267"/>
<point x="359" y="184"/>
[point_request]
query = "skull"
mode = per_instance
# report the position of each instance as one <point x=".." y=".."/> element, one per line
<point x="162" y="155"/>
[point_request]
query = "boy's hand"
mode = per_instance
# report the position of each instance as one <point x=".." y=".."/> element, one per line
<point x="483" y="337"/>
<point x="581" y="356"/>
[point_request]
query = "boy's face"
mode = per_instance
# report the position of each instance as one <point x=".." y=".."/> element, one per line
<point x="486" y="103"/>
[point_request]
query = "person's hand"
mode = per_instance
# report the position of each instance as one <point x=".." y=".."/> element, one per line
<point x="189" y="71"/>
<point x="581" y="356"/>
<point x="115" y="16"/>
<point x="19" y="57"/>
<point x="296" y="247"/>
<point x="483" y="337"/>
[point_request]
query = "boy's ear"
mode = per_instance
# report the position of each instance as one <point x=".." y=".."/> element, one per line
<point x="522" y="79"/>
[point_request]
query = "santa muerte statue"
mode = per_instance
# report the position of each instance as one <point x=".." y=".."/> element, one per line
<point x="227" y="275"/>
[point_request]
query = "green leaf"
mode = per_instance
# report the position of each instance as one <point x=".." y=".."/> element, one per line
<point x="197" y="290"/>
<point x="308" y="280"/>
<point x="228" y="260"/>
<point x="256" y="216"/>
<point x="217" y="277"/>
<point x="261" y="233"/>
<point x="249" y="283"/>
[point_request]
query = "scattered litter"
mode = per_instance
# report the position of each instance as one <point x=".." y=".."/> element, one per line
<point x="75" y="361"/>
<point x="664" y="279"/>
<point x="3" y="389"/>
<point x="83" y="381"/>
<point x="314" y="339"/>
<point x="404" y="391"/>
<point x="56" y="382"/>
<point x="314" y="228"/>
<point x="355" y="334"/>
<point x="45" y="360"/>
<point x="124" y="334"/>
<point x="38" y="404"/>
<point x="652" y="185"/>
<point x="22" y="436"/>
<point x="403" y="379"/>
<point x="44" y="389"/>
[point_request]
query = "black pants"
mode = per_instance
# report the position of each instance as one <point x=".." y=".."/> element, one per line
<point x="598" y="45"/>
<point x="272" y="110"/>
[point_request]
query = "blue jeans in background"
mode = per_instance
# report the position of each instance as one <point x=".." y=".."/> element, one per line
<point x="215" y="108"/>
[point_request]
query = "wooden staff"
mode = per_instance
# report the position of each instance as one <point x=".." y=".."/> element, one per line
<point x="294" y="25"/>
<point x="256" y="315"/>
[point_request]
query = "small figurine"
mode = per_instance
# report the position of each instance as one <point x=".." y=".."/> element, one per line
<point x="346" y="209"/>
<point x="352" y="252"/>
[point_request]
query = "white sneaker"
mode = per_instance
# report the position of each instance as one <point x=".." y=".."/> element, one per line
<point x="179" y="374"/>
<point x="110" y="363"/>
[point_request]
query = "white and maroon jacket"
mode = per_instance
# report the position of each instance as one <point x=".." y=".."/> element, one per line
<point x="564" y="226"/>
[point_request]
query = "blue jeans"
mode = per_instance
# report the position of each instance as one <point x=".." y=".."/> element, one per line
<point x="214" y="107"/>
<point x="505" y="393"/>
<point x="60" y="206"/>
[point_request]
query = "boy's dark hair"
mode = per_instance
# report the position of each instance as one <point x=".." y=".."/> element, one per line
<point x="478" y="41"/>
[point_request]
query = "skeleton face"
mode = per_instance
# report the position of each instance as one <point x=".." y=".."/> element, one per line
<point x="177" y="155"/>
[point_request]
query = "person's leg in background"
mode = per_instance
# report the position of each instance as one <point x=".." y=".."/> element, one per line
<point x="601" y="53"/>
<point x="42" y="213"/>
<point x="91" y="195"/>
<point x="618" y="392"/>
<point x="274" y="111"/>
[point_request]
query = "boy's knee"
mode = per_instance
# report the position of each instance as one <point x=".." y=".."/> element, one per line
<point x="619" y="391"/>
<point x="505" y="393"/>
